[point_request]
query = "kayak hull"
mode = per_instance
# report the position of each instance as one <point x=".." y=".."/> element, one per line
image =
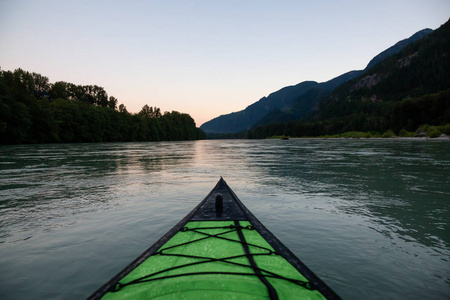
<point x="219" y="250"/>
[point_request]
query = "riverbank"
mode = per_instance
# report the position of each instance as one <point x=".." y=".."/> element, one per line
<point x="414" y="138"/>
<point x="424" y="132"/>
<point x="399" y="138"/>
<point x="442" y="137"/>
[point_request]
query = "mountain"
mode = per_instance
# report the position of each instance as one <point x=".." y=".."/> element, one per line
<point x="293" y="102"/>
<point x="306" y="103"/>
<point x="401" y="93"/>
<point x="245" y="119"/>
<point x="398" y="47"/>
<point x="421" y="68"/>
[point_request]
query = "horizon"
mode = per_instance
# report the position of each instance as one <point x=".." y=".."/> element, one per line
<point x="203" y="58"/>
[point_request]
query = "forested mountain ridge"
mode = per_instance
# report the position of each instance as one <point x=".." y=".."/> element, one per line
<point x="398" y="47"/>
<point x="281" y="102"/>
<point x="303" y="105"/>
<point x="245" y="119"/>
<point x="400" y="93"/>
<point x="299" y="104"/>
<point x="419" y="69"/>
<point x="33" y="110"/>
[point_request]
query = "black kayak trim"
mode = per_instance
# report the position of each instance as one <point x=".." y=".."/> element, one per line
<point x="232" y="209"/>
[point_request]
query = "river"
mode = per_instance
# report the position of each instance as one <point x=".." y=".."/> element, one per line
<point x="370" y="217"/>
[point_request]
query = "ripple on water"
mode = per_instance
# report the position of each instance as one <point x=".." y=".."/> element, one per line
<point x="370" y="217"/>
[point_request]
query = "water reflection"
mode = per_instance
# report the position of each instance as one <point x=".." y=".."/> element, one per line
<point x="402" y="187"/>
<point x="44" y="185"/>
<point x="356" y="211"/>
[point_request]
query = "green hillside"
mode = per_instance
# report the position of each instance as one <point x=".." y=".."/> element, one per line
<point x="403" y="91"/>
<point x="293" y="102"/>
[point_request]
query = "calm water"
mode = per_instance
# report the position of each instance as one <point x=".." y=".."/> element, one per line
<point x="370" y="217"/>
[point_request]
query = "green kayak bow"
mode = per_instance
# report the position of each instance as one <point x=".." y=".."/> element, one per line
<point x="220" y="250"/>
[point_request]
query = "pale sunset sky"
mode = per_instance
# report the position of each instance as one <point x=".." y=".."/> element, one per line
<point x="204" y="58"/>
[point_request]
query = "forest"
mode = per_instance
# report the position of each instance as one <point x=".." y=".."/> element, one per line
<point x="402" y="93"/>
<point x="33" y="110"/>
<point x="375" y="119"/>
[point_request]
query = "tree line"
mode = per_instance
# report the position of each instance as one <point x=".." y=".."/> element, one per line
<point x="33" y="110"/>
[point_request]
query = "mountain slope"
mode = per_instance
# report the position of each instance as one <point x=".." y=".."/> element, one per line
<point x="244" y="119"/>
<point x="401" y="93"/>
<point x="300" y="108"/>
<point x="419" y="69"/>
<point x="306" y="103"/>
<point x="294" y="102"/>
<point x="398" y="47"/>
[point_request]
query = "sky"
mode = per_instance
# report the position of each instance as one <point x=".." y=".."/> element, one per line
<point x="205" y="58"/>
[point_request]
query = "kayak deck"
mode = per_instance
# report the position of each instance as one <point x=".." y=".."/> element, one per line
<point x="219" y="250"/>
